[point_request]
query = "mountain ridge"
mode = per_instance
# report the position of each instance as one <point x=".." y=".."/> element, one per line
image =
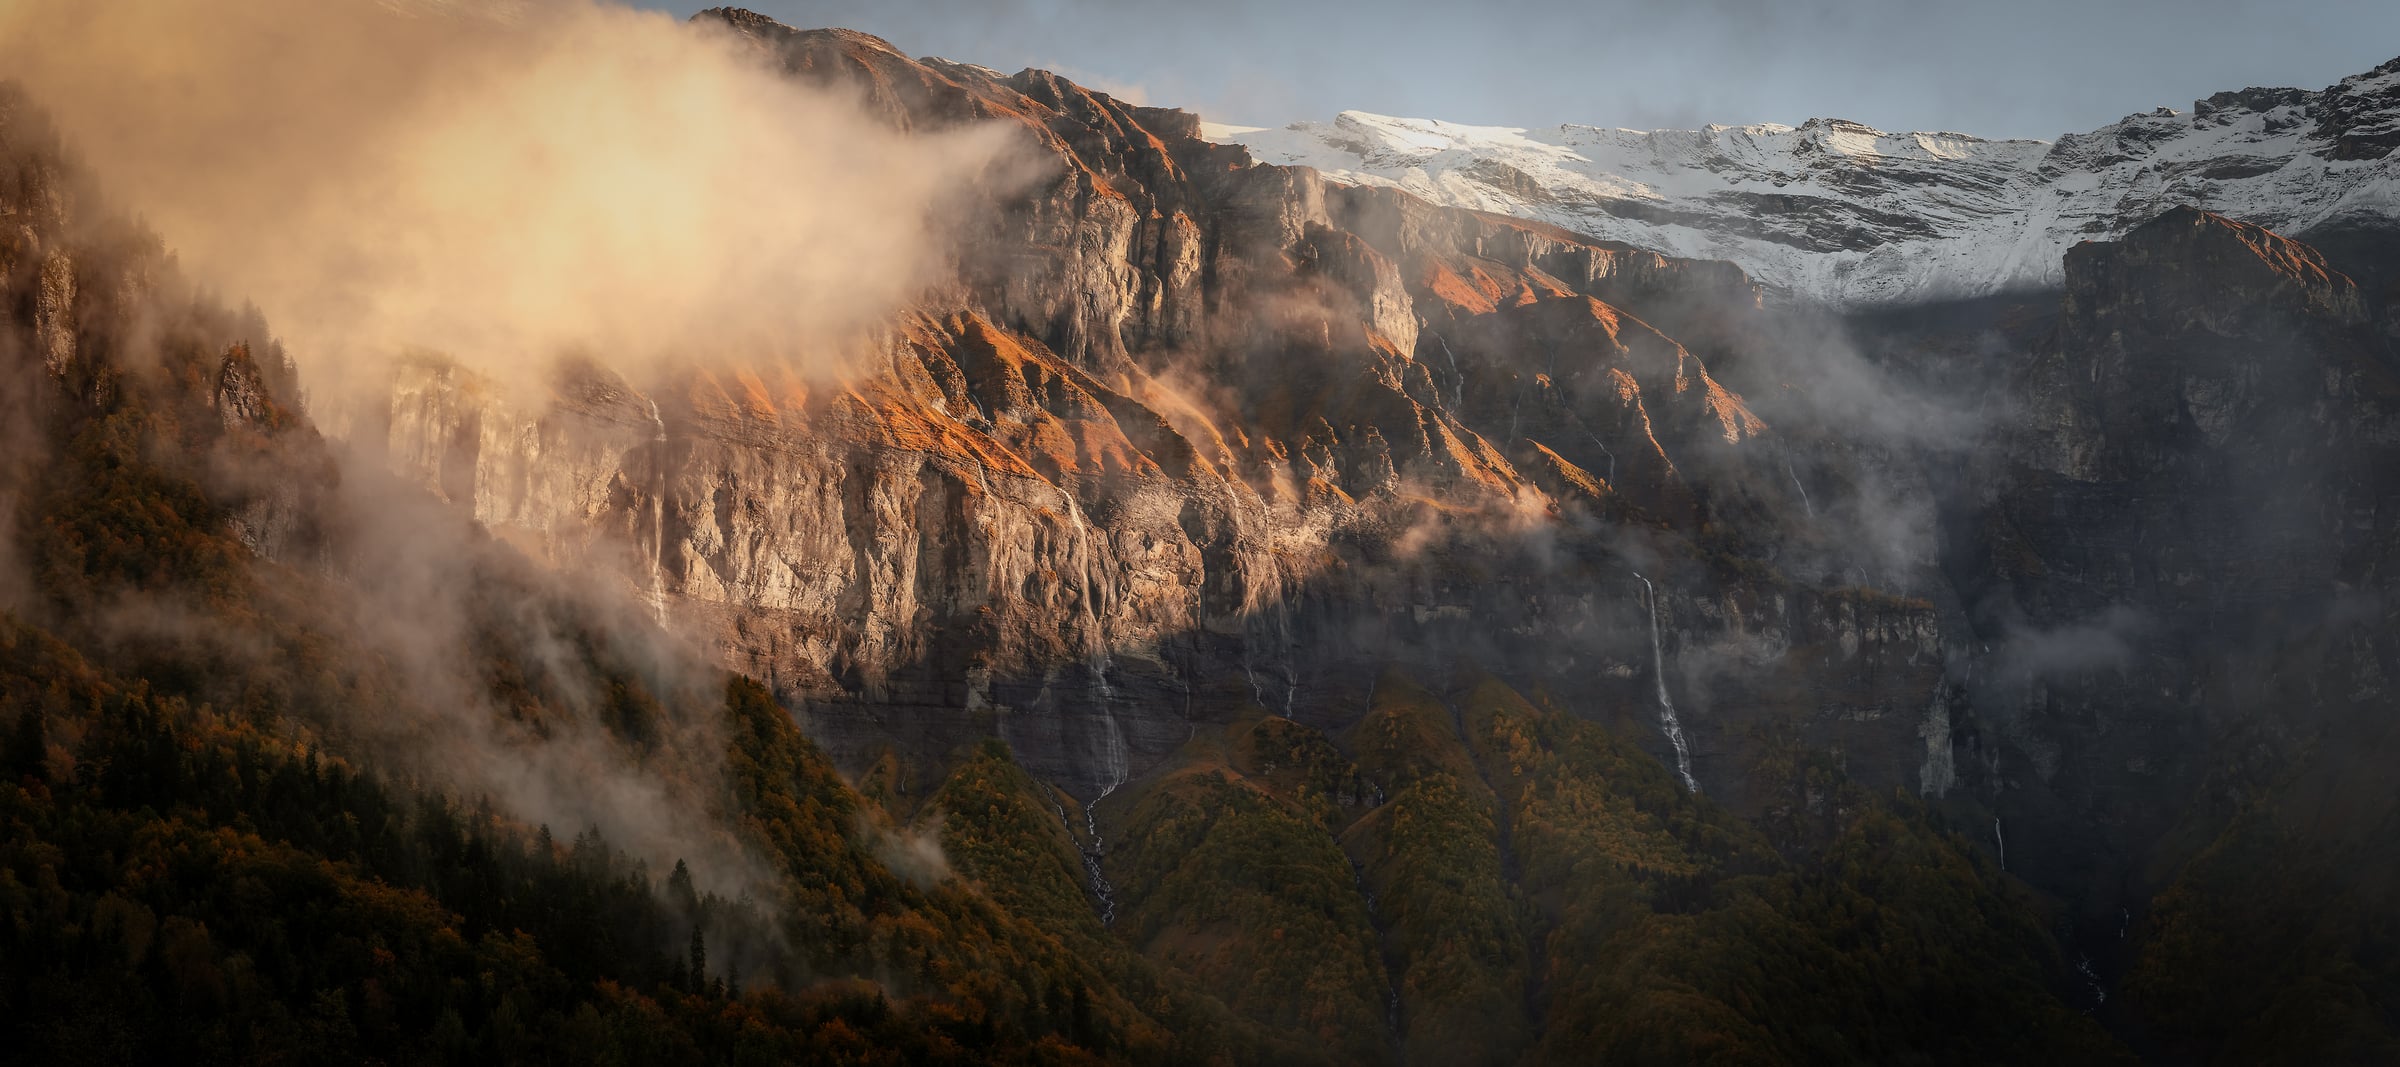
<point x="1842" y="214"/>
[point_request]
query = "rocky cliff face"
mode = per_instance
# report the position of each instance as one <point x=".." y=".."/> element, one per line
<point x="2174" y="568"/>
<point x="1185" y="446"/>
<point x="1187" y="434"/>
<point x="338" y="717"/>
<point x="1187" y="437"/>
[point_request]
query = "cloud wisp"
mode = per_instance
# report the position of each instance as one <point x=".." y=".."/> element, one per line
<point x="500" y="185"/>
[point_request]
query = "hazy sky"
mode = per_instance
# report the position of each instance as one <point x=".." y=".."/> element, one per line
<point x="1997" y="68"/>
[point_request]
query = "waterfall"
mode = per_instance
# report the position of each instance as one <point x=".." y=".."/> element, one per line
<point x="1795" y="476"/>
<point x="1291" y="658"/>
<point x="658" y="512"/>
<point x="1257" y="692"/>
<point x="1391" y="989"/>
<point x="1114" y="754"/>
<point x="1101" y="890"/>
<point x="1249" y="669"/>
<point x="2091" y="978"/>
<point x="1118" y="760"/>
<point x="1594" y="438"/>
<point x="1940" y="770"/>
<point x="1281" y="629"/>
<point x="1458" y="379"/>
<point x="1517" y="407"/>
<point x="1091" y="859"/>
<point x="2001" y="841"/>
<point x="2124" y="922"/>
<point x="1666" y="707"/>
<point x="1094" y="612"/>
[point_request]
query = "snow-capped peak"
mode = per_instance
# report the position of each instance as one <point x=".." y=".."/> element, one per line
<point x="1840" y="212"/>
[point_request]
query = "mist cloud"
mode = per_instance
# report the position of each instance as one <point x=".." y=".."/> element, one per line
<point x="2101" y="642"/>
<point x="505" y="185"/>
<point x="914" y="853"/>
<point x="502" y="184"/>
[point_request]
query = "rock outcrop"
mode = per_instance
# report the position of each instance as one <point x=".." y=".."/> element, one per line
<point x="2177" y="562"/>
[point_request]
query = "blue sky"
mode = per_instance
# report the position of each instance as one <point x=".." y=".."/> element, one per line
<point x="2031" y="68"/>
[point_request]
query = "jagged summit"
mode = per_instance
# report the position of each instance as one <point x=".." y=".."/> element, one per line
<point x="751" y="24"/>
<point x="1839" y="212"/>
<point x="2361" y="114"/>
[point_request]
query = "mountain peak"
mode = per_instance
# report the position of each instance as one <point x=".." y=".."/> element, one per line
<point x="1842" y="126"/>
<point x="753" y="25"/>
<point x="1838" y="212"/>
<point x="742" y="18"/>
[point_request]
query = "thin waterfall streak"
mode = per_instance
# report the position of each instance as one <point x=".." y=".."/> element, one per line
<point x="1787" y="469"/>
<point x="1250" y="635"/>
<point x="1668" y="722"/>
<point x="1458" y="378"/>
<point x="1516" y="408"/>
<point x="1291" y="659"/>
<point x="1114" y="753"/>
<point x="1599" y="444"/>
<point x="1391" y="989"/>
<point x="658" y="512"/>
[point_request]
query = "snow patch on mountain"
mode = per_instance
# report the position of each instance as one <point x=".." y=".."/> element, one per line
<point x="1838" y="212"/>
